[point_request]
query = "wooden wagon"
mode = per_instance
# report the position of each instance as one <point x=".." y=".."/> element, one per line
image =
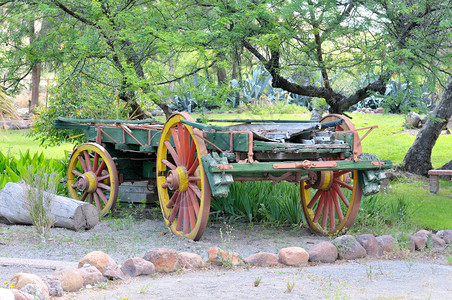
<point x="190" y="161"/>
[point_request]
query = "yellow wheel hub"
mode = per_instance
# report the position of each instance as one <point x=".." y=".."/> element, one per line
<point x="178" y="179"/>
<point x="87" y="182"/>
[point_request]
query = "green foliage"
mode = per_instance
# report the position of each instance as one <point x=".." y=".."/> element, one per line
<point x="14" y="169"/>
<point x="260" y="202"/>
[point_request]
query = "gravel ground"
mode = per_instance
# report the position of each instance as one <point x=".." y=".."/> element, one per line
<point x="400" y="275"/>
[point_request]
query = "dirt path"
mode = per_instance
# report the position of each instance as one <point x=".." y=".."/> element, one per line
<point x="417" y="276"/>
<point x="350" y="280"/>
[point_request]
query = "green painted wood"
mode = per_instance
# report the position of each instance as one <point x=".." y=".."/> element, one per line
<point x="221" y="140"/>
<point x="256" y="121"/>
<point x="202" y="126"/>
<point x="265" y="167"/>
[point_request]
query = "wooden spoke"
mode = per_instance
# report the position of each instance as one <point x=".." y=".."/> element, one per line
<point x="97" y="201"/>
<point x="87" y="160"/>
<point x="341" y="194"/>
<point x="343" y="184"/>
<point x="173" y="199"/>
<point x="95" y="162"/>
<point x="193" y="167"/>
<point x="195" y="189"/>
<point x="82" y="163"/>
<point x="194" y="201"/>
<point x="319" y="208"/>
<point x="85" y="194"/>
<point x="102" y="178"/>
<point x="103" y="186"/>
<point x="193" y="178"/>
<point x="101" y="167"/>
<point x="340" y="216"/>
<point x="192" y="155"/>
<point x="315" y="198"/>
<point x="102" y="195"/>
<point x="168" y="164"/>
<point x="176" y="140"/>
<point x="173" y="153"/>
<point x="175" y="209"/>
<point x="77" y="173"/>
<point x="326" y="206"/>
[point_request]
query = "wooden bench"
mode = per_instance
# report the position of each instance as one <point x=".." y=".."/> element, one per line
<point x="434" y="179"/>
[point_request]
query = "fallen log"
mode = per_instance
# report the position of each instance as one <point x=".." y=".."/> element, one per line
<point x="68" y="213"/>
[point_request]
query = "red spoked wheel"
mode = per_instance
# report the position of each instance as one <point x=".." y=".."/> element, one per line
<point x="92" y="177"/>
<point x="183" y="188"/>
<point x="331" y="200"/>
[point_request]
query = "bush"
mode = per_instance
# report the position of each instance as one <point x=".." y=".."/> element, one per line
<point x="39" y="192"/>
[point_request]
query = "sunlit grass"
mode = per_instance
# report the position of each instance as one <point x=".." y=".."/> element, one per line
<point x="15" y="141"/>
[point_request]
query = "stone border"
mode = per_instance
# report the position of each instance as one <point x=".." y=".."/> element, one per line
<point x="98" y="267"/>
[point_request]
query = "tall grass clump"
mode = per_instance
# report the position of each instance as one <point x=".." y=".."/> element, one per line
<point x="40" y="189"/>
<point x="260" y="202"/>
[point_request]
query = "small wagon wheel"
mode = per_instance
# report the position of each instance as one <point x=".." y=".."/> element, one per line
<point x="92" y="177"/>
<point x="331" y="199"/>
<point x="346" y="126"/>
<point x="182" y="184"/>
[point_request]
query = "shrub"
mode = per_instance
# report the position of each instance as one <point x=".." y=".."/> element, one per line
<point x="39" y="192"/>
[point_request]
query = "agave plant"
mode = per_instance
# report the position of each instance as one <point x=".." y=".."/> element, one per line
<point x="7" y="107"/>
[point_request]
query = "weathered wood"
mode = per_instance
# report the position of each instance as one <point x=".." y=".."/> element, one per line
<point x="69" y="213"/>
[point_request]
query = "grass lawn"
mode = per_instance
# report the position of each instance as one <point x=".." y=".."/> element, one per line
<point x="16" y="141"/>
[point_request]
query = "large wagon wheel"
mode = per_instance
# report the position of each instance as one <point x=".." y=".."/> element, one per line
<point x="183" y="188"/>
<point x="331" y="199"/>
<point x="92" y="177"/>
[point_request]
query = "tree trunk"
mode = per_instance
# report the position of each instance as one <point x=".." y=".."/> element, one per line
<point x="68" y="213"/>
<point x="35" y="82"/>
<point x="418" y="157"/>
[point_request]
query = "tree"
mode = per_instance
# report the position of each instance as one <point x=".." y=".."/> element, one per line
<point x="332" y="38"/>
<point x="418" y="158"/>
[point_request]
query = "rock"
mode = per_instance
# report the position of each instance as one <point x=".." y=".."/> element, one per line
<point x="164" y="260"/>
<point x="386" y="242"/>
<point x="380" y="110"/>
<point x="219" y="257"/>
<point x="370" y="243"/>
<point x="431" y="240"/>
<point x="19" y="295"/>
<point x="348" y="247"/>
<point x="405" y="241"/>
<point x="91" y="275"/>
<point x="190" y="260"/>
<point x="36" y="290"/>
<point x="6" y="294"/>
<point x="446" y="235"/>
<point x="420" y="241"/>
<point x="324" y="252"/>
<point x="99" y="259"/>
<point x="137" y="266"/>
<point x="115" y="273"/>
<point x="22" y="279"/>
<point x="413" y="120"/>
<point x="54" y="285"/>
<point x="262" y="259"/>
<point x="293" y="256"/>
<point x="71" y="279"/>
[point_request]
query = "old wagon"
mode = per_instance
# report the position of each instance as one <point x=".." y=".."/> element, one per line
<point x="189" y="162"/>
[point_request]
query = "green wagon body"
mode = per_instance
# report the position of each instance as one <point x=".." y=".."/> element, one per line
<point x="295" y="151"/>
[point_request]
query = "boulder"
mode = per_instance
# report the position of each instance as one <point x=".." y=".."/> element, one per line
<point x="446" y="235"/>
<point x="36" y="290"/>
<point x="219" y="257"/>
<point x="54" y="285"/>
<point x="349" y="248"/>
<point x="6" y="294"/>
<point x="370" y="243"/>
<point x="137" y="266"/>
<point x="431" y="240"/>
<point x="413" y="120"/>
<point x="71" y="279"/>
<point x="380" y="110"/>
<point x="22" y="279"/>
<point x="386" y="242"/>
<point x="405" y="241"/>
<point x="420" y="241"/>
<point x="115" y="273"/>
<point x="293" y="256"/>
<point x="262" y="259"/>
<point x="19" y="295"/>
<point x="190" y="260"/>
<point x="324" y="252"/>
<point x="164" y="260"/>
<point x="99" y="259"/>
<point x="91" y="275"/>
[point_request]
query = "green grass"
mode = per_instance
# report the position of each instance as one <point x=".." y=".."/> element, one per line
<point x="14" y="141"/>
